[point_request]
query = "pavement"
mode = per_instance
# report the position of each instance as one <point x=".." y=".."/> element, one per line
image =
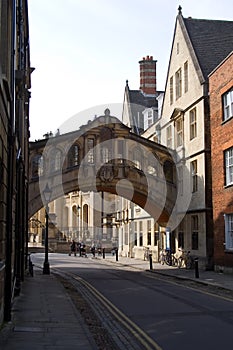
<point x="45" y="318"/>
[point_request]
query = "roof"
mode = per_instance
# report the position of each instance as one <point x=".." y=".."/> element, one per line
<point x="137" y="97"/>
<point x="212" y="41"/>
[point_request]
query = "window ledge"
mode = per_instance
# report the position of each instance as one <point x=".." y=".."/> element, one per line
<point x="227" y="186"/>
<point x="226" y="120"/>
<point x="228" y="251"/>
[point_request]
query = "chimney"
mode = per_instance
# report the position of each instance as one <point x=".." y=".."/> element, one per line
<point x="148" y="75"/>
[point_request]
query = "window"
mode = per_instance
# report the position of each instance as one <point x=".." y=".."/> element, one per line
<point x="169" y="136"/>
<point x="194" y="230"/>
<point x="181" y="235"/>
<point x="55" y="160"/>
<point x="135" y="234"/>
<point x="186" y="76"/>
<point x="37" y="166"/>
<point x="90" y="150"/>
<point x="178" y="78"/>
<point x="105" y="155"/>
<point x="152" y="167"/>
<point x="229" y="166"/>
<point x="73" y="156"/>
<point x="179" y="132"/>
<point x="140" y="234"/>
<point x="171" y="90"/>
<point x="228" y="231"/>
<point x="193" y="123"/>
<point x="156" y="234"/>
<point x="150" y="118"/>
<point x="228" y="105"/>
<point x="180" y="180"/>
<point x="137" y="158"/>
<point x="148" y="232"/>
<point x="194" y="175"/>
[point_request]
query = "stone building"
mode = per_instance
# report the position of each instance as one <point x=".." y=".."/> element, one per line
<point x="15" y="83"/>
<point x="221" y="122"/>
<point x="184" y="127"/>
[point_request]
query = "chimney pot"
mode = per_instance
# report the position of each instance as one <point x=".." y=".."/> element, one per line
<point x="148" y="75"/>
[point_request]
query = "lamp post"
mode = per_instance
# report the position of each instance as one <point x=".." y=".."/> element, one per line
<point x="78" y="209"/>
<point x="47" y="195"/>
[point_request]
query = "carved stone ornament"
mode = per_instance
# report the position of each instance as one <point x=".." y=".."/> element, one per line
<point x="106" y="173"/>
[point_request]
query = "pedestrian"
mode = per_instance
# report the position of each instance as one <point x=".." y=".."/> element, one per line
<point x="93" y="250"/>
<point x="73" y="248"/>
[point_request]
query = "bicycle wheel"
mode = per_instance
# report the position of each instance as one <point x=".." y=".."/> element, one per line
<point x="189" y="263"/>
<point x="179" y="262"/>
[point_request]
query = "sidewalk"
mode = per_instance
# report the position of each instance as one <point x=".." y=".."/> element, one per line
<point x="44" y="317"/>
<point x="205" y="277"/>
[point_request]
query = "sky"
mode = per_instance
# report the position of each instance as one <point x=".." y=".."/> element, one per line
<point x="84" y="51"/>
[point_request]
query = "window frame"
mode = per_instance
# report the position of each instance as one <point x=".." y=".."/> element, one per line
<point x="186" y="76"/>
<point x="193" y="123"/>
<point x="228" y="219"/>
<point x="179" y="131"/>
<point x="227" y="104"/>
<point x="195" y="232"/>
<point x="178" y="82"/>
<point x="194" y="176"/>
<point x="171" y="90"/>
<point x="228" y="166"/>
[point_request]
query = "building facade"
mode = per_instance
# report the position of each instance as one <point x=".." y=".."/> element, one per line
<point x="221" y="117"/>
<point x="15" y="83"/>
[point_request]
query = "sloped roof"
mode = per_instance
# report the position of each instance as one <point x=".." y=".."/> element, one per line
<point x="137" y="97"/>
<point x="212" y="41"/>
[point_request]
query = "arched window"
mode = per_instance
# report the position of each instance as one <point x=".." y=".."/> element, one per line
<point x="37" y="166"/>
<point x="55" y="160"/>
<point x="152" y="166"/>
<point x="105" y="154"/>
<point x="137" y="158"/>
<point x="168" y="171"/>
<point x="73" y="156"/>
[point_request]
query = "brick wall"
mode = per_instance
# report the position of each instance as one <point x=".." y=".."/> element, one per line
<point x="220" y="81"/>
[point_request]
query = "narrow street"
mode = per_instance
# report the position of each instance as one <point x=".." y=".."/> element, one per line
<point x="165" y="314"/>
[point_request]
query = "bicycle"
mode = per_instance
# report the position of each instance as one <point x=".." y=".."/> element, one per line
<point x="147" y="253"/>
<point x="188" y="260"/>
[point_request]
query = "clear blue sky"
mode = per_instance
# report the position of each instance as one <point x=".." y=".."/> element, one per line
<point x="84" y="51"/>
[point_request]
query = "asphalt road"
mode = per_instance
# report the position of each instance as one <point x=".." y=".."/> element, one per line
<point x="174" y="316"/>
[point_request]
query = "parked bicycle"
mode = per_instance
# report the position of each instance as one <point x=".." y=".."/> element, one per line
<point x="147" y="253"/>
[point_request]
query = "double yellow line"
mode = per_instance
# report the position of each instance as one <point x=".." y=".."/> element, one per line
<point x="147" y="342"/>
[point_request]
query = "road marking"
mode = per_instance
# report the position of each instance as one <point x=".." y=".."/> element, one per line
<point x="138" y="333"/>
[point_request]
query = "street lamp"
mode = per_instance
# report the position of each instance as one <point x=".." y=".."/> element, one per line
<point x="47" y="195"/>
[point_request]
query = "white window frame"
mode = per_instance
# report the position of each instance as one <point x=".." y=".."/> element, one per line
<point x="179" y="132"/>
<point x="178" y="78"/>
<point x="228" y="105"/>
<point x="169" y="136"/>
<point x="171" y="90"/>
<point x="228" y="231"/>
<point x="186" y="76"/>
<point x="193" y="123"/>
<point x="229" y="167"/>
<point x="194" y="176"/>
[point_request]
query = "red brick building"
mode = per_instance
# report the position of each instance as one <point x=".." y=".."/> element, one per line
<point x="221" y="116"/>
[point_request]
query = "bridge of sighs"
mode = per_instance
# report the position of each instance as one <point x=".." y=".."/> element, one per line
<point x="104" y="155"/>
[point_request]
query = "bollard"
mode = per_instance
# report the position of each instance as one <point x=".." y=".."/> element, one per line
<point x="150" y="259"/>
<point x="116" y="254"/>
<point x="103" y="253"/>
<point x="196" y="268"/>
